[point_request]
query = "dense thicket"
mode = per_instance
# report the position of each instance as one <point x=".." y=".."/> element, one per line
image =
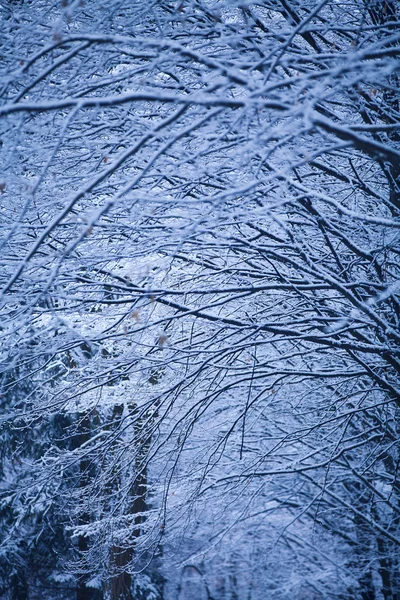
<point x="200" y="208"/>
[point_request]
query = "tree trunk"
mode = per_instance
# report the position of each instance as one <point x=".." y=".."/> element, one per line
<point x="85" y="468"/>
<point x="121" y="557"/>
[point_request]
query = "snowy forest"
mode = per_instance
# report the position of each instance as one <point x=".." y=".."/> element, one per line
<point x="199" y="299"/>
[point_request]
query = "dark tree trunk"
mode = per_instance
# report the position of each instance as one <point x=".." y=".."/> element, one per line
<point x="121" y="557"/>
<point x="85" y="474"/>
<point x="19" y="588"/>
